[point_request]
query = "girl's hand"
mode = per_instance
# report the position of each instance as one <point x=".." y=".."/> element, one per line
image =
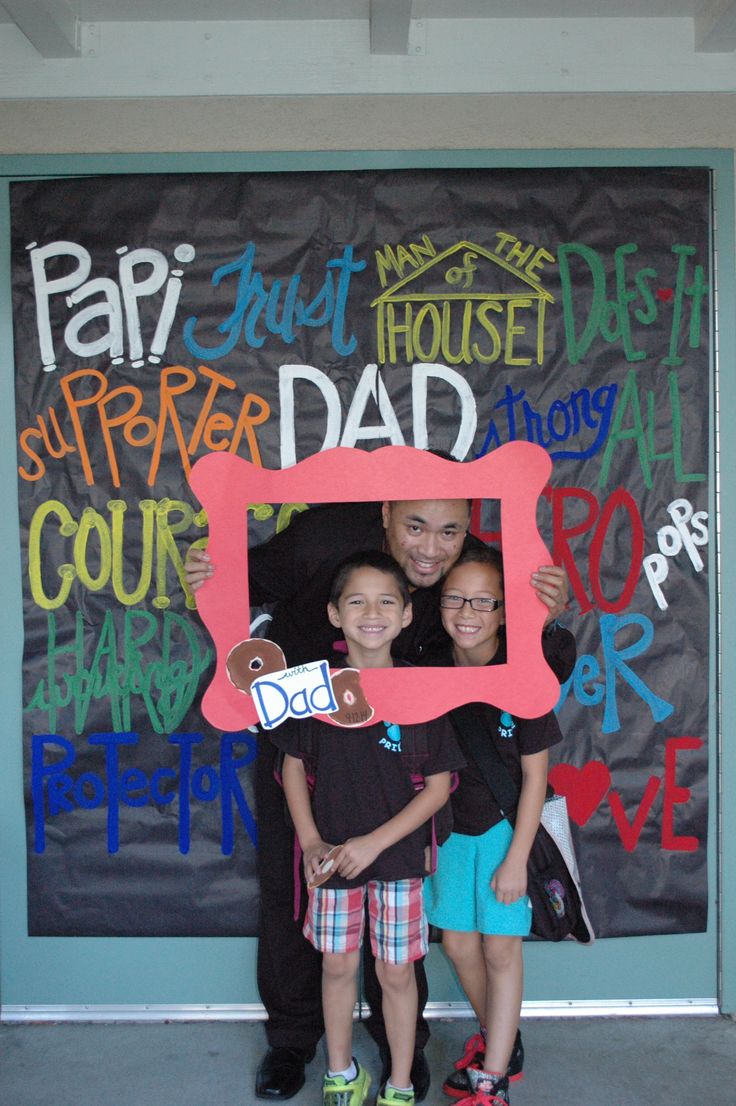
<point x="509" y="881"/>
<point x="357" y="854"/>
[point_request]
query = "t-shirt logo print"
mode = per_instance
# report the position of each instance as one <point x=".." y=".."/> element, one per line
<point x="506" y="726"/>
<point x="392" y="740"/>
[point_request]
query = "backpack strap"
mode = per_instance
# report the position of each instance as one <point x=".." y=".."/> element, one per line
<point x="472" y="729"/>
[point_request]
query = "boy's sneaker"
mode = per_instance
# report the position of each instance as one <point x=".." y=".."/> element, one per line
<point x="336" y="1091"/>
<point x="389" y="1096"/>
<point x="489" y="1091"/>
<point x="457" y="1084"/>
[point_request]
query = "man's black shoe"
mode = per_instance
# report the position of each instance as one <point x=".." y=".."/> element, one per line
<point x="281" y="1073"/>
<point x="420" y="1074"/>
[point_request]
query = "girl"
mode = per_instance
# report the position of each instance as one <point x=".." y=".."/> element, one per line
<point x="477" y="896"/>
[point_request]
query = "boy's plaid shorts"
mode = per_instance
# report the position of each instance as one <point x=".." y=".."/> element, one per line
<point x="398" y="925"/>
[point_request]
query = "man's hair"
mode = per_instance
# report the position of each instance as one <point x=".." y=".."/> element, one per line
<point x="369" y="558"/>
<point x="481" y="555"/>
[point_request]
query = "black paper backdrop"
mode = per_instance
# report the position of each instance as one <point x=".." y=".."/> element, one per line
<point x="157" y="317"/>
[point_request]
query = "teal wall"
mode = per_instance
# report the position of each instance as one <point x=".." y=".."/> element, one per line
<point x="185" y="971"/>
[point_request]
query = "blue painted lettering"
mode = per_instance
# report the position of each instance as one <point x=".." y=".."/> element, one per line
<point x="564" y="421"/>
<point x="588" y="670"/>
<point x="56" y="791"/>
<point x="255" y="305"/>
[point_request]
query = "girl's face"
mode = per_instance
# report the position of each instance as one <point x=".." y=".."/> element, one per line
<point x="474" y="633"/>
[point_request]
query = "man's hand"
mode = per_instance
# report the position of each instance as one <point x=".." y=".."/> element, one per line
<point x="197" y="568"/>
<point x="552" y="586"/>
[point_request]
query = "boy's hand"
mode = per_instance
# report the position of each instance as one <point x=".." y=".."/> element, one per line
<point x="357" y="853"/>
<point x="552" y="586"/>
<point x="313" y="856"/>
<point x="197" y="568"/>
<point x="509" y="881"/>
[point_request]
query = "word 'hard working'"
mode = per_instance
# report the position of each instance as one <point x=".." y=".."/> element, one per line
<point x="57" y="791"/>
<point x="143" y="658"/>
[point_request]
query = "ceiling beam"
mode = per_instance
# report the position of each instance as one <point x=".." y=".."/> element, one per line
<point x="715" y="27"/>
<point x="54" y="36"/>
<point x="390" y="21"/>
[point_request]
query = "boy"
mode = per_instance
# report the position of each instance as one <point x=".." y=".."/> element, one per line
<point x="477" y="896"/>
<point x="364" y="800"/>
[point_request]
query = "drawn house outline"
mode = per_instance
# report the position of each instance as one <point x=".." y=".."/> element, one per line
<point x="397" y="294"/>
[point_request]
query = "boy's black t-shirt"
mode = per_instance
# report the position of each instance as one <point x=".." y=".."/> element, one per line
<point x="362" y="778"/>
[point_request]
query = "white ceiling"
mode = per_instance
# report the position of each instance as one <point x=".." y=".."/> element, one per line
<point x="92" y="49"/>
<point x="53" y="26"/>
<point x="170" y="11"/>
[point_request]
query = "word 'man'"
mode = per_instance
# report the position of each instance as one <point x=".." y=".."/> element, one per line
<point x="115" y="308"/>
<point x="523" y="256"/>
<point x="460" y="307"/>
<point x="57" y="790"/>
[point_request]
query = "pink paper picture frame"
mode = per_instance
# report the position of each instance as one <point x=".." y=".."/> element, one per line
<point x="514" y="474"/>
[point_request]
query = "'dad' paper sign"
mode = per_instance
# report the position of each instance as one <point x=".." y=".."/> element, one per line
<point x="297" y="692"/>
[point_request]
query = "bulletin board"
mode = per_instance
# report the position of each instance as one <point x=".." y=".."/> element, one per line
<point x="159" y="317"/>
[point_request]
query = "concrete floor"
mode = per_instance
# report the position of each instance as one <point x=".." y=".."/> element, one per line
<point x="630" y="1061"/>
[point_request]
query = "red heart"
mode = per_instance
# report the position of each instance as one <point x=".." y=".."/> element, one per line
<point x="583" y="788"/>
<point x="665" y="294"/>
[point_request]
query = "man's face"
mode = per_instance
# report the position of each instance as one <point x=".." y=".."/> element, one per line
<point x="425" y="536"/>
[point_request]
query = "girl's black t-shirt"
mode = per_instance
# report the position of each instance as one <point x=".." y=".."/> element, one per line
<point x="474" y="807"/>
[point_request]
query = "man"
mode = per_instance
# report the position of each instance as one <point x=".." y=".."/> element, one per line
<point x="293" y="571"/>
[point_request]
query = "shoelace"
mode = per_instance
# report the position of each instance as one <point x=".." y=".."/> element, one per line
<point x="481" y="1098"/>
<point x="338" y="1098"/>
<point x="473" y="1045"/>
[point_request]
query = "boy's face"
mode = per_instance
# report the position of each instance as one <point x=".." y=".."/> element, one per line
<point x="425" y="536"/>
<point x="473" y="632"/>
<point x="371" y="611"/>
